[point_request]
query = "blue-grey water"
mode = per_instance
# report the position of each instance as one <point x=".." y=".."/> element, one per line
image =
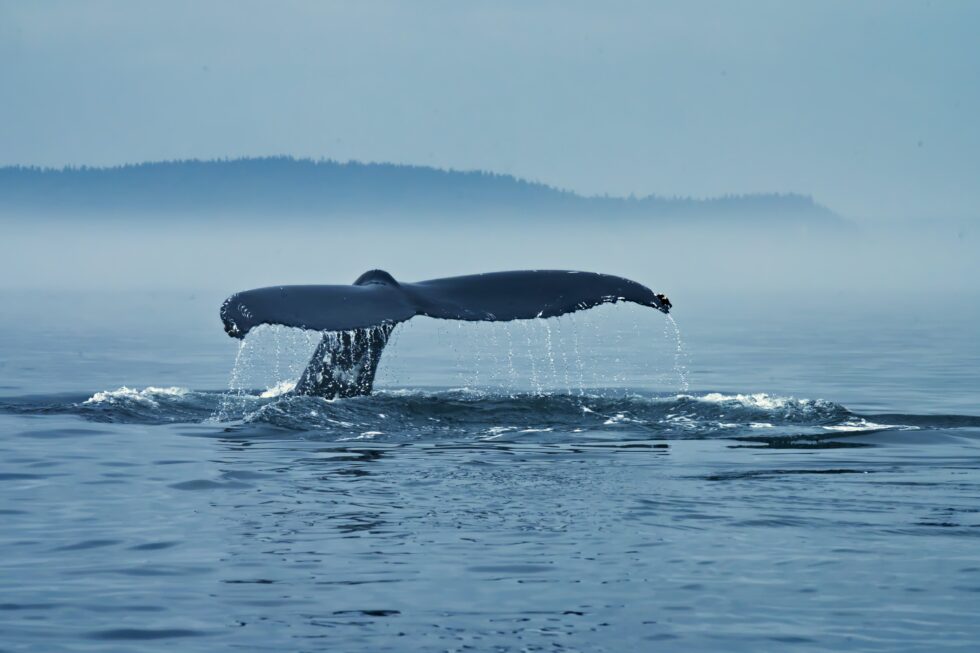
<point x="786" y="476"/>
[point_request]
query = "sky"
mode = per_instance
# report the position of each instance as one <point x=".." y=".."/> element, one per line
<point x="871" y="107"/>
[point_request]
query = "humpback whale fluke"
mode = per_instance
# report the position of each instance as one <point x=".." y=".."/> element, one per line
<point x="359" y="318"/>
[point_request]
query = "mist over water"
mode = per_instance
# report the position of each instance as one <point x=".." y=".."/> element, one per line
<point x="788" y="461"/>
<point x="792" y="437"/>
<point x="769" y="267"/>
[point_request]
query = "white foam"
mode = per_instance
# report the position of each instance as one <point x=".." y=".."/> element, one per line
<point x="497" y="431"/>
<point x="366" y="435"/>
<point x="755" y="400"/>
<point x="682" y="421"/>
<point x="853" y="426"/>
<point x="148" y="396"/>
<point x="620" y="418"/>
<point x="278" y="390"/>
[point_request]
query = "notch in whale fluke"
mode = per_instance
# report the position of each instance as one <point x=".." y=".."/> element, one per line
<point x="376" y="299"/>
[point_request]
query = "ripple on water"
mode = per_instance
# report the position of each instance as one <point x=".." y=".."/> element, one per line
<point x="401" y="415"/>
<point x="208" y="484"/>
<point x="143" y="634"/>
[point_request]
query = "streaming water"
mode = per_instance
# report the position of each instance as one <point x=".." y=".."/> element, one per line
<point x="680" y="366"/>
<point x="235" y="389"/>
<point x="512" y="371"/>
<point x="271" y="358"/>
<point x="563" y="349"/>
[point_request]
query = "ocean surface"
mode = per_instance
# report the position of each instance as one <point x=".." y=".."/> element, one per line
<point x="774" y="474"/>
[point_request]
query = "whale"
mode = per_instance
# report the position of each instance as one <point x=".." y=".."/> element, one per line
<point x="357" y="319"/>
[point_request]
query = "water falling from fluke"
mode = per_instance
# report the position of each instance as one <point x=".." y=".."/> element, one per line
<point x="680" y="366"/>
<point x="364" y="313"/>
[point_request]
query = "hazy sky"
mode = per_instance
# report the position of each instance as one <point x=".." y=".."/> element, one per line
<point x="872" y="107"/>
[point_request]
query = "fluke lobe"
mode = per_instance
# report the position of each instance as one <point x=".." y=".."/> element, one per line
<point x="358" y="319"/>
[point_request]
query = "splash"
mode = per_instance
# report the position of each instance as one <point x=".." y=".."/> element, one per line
<point x="535" y="381"/>
<point x="150" y="396"/>
<point x="576" y="354"/>
<point x="234" y="394"/>
<point x="278" y="390"/>
<point x="511" y="370"/>
<point x="579" y="363"/>
<point x="270" y="359"/>
<point x="680" y="356"/>
<point x="467" y="414"/>
<point x="563" y="350"/>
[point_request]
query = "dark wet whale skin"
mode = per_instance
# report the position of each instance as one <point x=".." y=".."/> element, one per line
<point x="376" y="298"/>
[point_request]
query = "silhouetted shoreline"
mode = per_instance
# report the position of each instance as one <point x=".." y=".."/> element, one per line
<point x="302" y="187"/>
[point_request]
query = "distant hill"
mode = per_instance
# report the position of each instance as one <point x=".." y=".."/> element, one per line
<point x="283" y="186"/>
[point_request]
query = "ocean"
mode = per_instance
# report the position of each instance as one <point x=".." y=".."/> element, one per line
<point x="768" y="473"/>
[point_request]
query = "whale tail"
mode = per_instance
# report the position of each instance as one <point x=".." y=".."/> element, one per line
<point x="358" y="319"/>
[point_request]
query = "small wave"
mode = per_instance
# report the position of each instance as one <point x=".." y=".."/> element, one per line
<point x="757" y="400"/>
<point x="149" y="396"/>
<point x="863" y="425"/>
<point x="151" y="405"/>
<point x="278" y="390"/>
<point x="411" y="414"/>
<point x="768" y="403"/>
